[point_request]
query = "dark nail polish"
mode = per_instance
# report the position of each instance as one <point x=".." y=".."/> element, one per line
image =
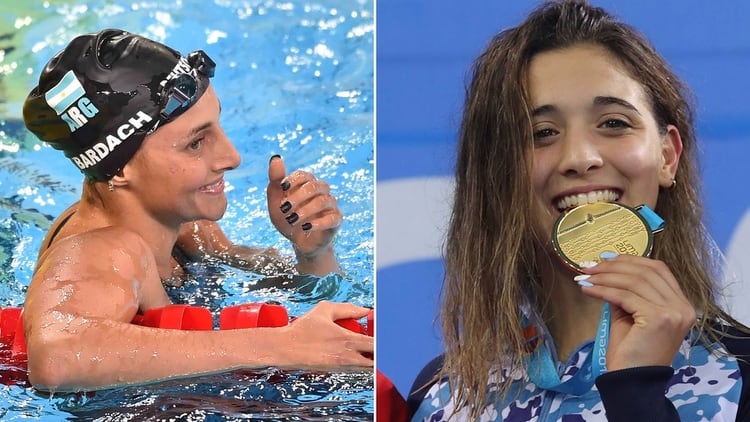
<point x="292" y="218"/>
<point x="285" y="207"/>
<point x="274" y="156"/>
<point x="285" y="185"/>
<point x="306" y="226"/>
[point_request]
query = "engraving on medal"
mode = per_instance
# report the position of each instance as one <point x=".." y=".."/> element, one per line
<point x="584" y="232"/>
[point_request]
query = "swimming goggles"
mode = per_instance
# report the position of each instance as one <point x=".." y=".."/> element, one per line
<point x="183" y="90"/>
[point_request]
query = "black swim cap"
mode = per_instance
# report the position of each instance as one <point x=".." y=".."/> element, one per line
<point x="99" y="97"/>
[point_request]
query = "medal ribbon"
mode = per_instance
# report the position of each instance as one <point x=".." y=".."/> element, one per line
<point x="655" y="222"/>
<point x="543" y="372"/>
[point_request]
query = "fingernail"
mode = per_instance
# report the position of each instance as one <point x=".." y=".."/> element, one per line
<point x="274" y="156"/>
<point x="285" y="207"/>
<point x="582" y="280"/>
<point x="306" y="226"/>
<point x="588" y="264"/>
<point x="608" y="255"/>
<point x="292" y="218"/>
<point x="285" y="185"/>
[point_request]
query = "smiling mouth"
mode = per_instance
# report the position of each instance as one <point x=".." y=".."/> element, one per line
<point x="572" y="201"/>
<point x="216" y="187"/>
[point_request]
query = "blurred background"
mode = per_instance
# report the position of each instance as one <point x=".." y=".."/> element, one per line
<point x="424" y="51"/>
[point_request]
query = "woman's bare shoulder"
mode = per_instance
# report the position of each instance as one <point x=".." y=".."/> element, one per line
<point x="100" y="272"/>
<point x="108" y="249"/>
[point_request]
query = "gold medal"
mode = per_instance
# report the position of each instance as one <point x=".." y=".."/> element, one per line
<point x="583" y="233"/>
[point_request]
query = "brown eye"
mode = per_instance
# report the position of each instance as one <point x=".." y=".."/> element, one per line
<point x="615" y="124"/>
<point x="196" y="144"/>
<point x="544" y="133"/>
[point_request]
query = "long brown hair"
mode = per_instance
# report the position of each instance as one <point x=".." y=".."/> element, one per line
<point x="490" y="252"/>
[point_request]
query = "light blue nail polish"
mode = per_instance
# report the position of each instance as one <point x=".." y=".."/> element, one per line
<point x="584" y="283"/>
<point x="608" y="255"/>
<point x="581" y="280"/>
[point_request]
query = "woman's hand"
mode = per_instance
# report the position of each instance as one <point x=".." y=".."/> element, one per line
<point x="323" y="343"/>
<point x="650" y="314"/>
<point x="304" y="211"/>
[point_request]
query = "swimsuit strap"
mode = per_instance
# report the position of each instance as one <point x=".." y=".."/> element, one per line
<point x="180" y="256"/>
<point x="61" y="222"/>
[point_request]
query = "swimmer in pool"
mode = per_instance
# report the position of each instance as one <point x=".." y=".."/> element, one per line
<point x="141" y="122"/>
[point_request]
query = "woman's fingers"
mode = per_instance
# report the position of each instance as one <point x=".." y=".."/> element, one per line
<point x="650" y="313"/>
<point x="327" y="343"/>
<point x="648" y="278"/>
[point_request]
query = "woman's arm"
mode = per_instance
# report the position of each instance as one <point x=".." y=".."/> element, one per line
<point x="200" y="239"/>
<point x="635" y="394"/>
<point x="301" y="208"/>
<point x="89" y="287"/>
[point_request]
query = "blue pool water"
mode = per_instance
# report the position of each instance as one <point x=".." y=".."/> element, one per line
<point x="294" y="78"/>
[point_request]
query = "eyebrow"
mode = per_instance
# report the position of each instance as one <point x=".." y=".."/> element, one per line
<point x="545" y="109"/>
<point x="194" y="131"/>
<point x="605" y="101"/>
<point x="599" y="101"/>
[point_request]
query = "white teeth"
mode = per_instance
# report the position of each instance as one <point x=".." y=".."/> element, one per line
<point x="571" y="201"/>
<point x="212" y="187"/>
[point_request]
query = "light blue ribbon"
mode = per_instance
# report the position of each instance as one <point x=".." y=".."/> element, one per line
<point x="542" y="369"/>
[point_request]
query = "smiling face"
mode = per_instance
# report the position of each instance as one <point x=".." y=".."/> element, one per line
<point x="178" y="172"/>
<point x="595" y="136"/>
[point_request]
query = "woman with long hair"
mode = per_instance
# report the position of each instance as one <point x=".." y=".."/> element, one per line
<point x="568" y="109"/>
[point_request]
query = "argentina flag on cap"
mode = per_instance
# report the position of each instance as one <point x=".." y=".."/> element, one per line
<point x="65" y="93"/>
